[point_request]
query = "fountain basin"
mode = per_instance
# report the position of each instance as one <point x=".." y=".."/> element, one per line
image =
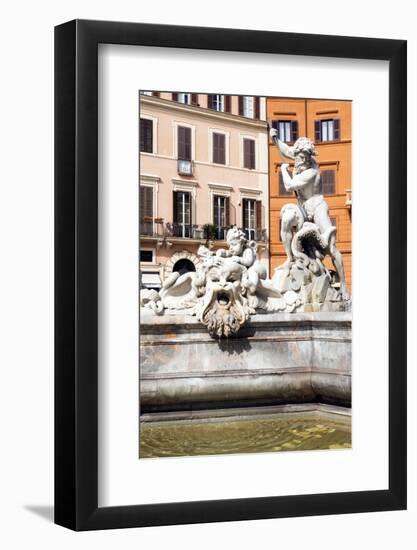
<point x="275" y="359"/>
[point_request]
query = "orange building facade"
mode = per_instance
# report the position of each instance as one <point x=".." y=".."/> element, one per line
<point x="328" y="124"/>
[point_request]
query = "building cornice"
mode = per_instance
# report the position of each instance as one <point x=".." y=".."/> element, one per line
<point x="190" y="183"/>
<point x="250" y="190"/>
<point x="151" y="178"/>
<point x="204" y="112"/>
<point x="222" y="186"/>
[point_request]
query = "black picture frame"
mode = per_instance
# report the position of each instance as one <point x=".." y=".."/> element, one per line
<point x="76" y="272"/>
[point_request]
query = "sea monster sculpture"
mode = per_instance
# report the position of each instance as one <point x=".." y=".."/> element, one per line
<point x="231" y="284"/>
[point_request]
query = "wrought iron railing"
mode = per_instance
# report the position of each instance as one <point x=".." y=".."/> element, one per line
<point x="207" y="232"/>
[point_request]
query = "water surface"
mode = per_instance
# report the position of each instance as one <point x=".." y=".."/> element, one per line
<point x="282" y="432"/>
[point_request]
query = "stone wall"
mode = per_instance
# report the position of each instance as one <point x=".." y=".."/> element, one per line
<point x="277" y="358"/>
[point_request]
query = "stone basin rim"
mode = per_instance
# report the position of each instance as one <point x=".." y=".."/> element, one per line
<point x="341" y="317"/>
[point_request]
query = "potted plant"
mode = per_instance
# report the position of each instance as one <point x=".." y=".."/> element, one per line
<point x="210" y="231"/>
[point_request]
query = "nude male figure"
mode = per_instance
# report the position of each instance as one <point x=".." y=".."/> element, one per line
<point x="306" y="183"/>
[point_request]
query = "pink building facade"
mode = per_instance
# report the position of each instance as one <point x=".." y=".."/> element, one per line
<point x="203" y="168"/>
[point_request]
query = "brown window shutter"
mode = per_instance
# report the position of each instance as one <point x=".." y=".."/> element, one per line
<point x="257" y="107"/>
<point x="258" y="217"/>
<point x="241" y="105"/>
<point x="184" y="143"/>
<point x="252" y="154"/>
<point x="181" y="143"/>
<point x="210" y="101"/>
<point x="156" y="94"/>
<point x="149" y="202"/>
<point x="146" y="135"/>
<point x="175" y="97"/>
<point x="227" y="211"/>
<point x="328" y="180"/>
<point x="317" y="130"/>
<point x="336" y="128"/>
<point x="227" y="104"/>
<point x="187" y="143"/>
<point x="215" y="148"/>
<point x="246" y="153"/>
<point x="175" y="206"/>
<point x="244" y="213"/>
<point x="193" y="99"/>
<point x="294" y="130"/>
<point x="215" y="209"/>
<point x="142" y="209"/>
<point x="222" y="149"/>
<point x="146" y="202"/>
<point x="249" y="154"/>
<point x="142" y="135"/>
<point x="219" y="148"/>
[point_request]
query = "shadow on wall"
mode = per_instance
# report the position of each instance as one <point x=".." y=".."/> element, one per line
<point x="234" y="346"/>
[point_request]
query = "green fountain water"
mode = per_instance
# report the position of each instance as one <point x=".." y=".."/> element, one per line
<point x="282" y="432"/>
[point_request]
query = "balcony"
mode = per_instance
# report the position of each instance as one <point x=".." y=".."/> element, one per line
<point x="185" y="167"/>
<point x="171" y="231"/>
<point x="146" y="227"/>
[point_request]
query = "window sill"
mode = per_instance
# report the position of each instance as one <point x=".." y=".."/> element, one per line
<point x="333" y="141"/>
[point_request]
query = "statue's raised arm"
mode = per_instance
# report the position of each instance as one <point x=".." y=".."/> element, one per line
<point x="285" y="150"/>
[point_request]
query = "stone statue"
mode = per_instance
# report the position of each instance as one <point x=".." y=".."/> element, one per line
<point x="231" y="284"/>
<point x="306" y="229"/>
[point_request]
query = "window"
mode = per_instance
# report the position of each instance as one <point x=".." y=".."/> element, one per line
<point x="249" y="217"/>
<point x="146" y="93"/>
<point x="327" y="130"/>
<point x="219" y="148"/>
<point x="287" y="130"/>
<point x="146" y="256"/>
<point x="150" y="280"/>
<point x="146" y="135"/>
<point x="221" y="215"/>
<point x="328" y="182"/>
<point x="182" y="214"/>
<point x="184" y="98"/>
<point x="248" y="106"/>
<point x="221" y="103"/>
<point x="282" y="190"/>
<point x="146" y="210"/>
<point x="249" y="153"/>
<point x="216" y="102"/>
<point x="252" y="218"/>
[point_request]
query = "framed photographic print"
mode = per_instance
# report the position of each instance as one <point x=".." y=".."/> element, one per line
<point x="230" y="275"/>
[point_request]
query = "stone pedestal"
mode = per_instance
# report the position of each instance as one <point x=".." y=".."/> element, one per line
<point x="275" y="359"/>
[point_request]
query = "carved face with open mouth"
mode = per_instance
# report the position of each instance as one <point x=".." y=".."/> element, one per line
<point x="223" y="299"/>
<point x="225" y="307"/>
